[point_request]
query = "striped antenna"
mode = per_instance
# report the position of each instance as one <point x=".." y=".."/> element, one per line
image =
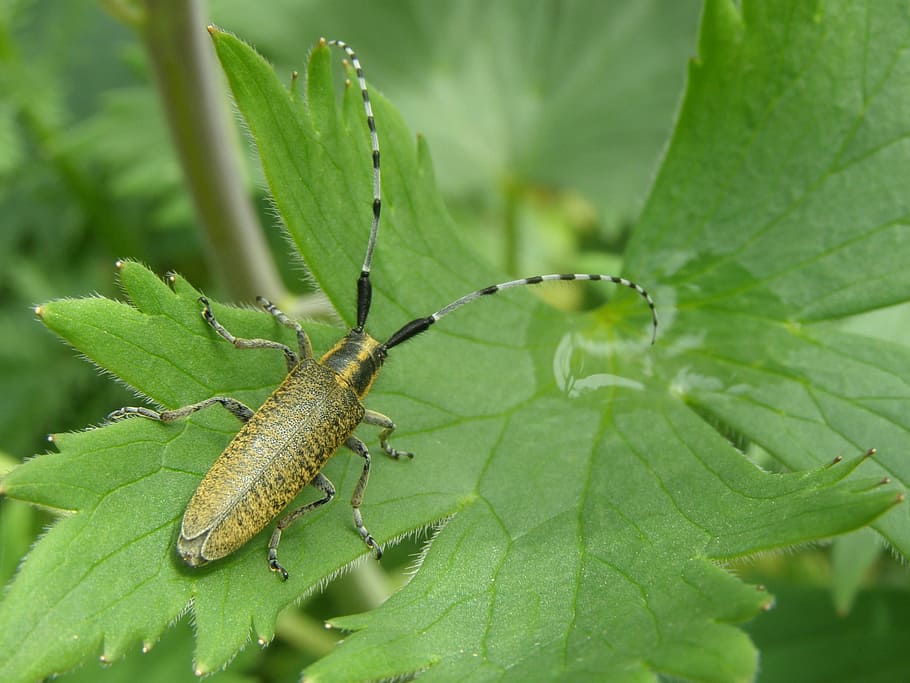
<point x="364" y="288"/>
<point x="419" y="325"/>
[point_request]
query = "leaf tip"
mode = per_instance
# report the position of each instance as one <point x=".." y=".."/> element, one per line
<point x="212" y="29"/>
<point x="852" y="463"/>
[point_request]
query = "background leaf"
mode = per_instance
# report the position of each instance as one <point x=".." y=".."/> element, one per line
<point x="777" y="232"/>
<point x="611" y="72"/>
<point x="804" y="637"/>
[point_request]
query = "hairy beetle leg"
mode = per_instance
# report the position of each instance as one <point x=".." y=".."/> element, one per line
<point x="322" y="483"/>
<point x="233" y="406"/>
<point x="305" y="349"/>
<point x="239" y="343"/>
<point x="371" y="417"/>
<point x="360" y="448"/>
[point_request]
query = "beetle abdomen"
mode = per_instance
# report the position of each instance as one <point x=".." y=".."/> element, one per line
<point x="276" y="453"/>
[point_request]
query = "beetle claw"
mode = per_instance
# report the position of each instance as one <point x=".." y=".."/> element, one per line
<point x="275" y="567"/>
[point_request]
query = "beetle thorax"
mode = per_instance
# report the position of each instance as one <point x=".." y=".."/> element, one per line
<point x="356" y="358"/>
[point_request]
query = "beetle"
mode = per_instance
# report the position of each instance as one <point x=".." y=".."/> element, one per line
<point x="284" y="445"/>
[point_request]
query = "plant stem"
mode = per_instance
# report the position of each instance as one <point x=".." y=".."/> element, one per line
<point x="305" y="633"/>
<point x="180" y="52"/>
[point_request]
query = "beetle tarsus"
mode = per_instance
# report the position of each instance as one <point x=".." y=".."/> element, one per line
<point x="394" y="453"/>
<point x="275" y="567"/>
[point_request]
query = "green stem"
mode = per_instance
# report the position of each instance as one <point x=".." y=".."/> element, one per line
<point x="180" y="52"/>
<point x="305" y="633"/>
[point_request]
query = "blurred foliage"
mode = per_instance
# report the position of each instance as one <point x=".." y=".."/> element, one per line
<point x="67" y="211"/>
<point x="88" y="175"/>
<point x="529" y="198"/>
<point x="807" y="632"/>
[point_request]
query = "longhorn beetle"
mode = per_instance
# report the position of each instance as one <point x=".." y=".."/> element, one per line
<point x="284" y="445"/>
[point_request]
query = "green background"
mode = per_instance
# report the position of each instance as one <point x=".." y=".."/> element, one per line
<point x="592" y="513"/>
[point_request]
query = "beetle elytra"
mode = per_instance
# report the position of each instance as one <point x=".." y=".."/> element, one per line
<point x="284" y="445"/>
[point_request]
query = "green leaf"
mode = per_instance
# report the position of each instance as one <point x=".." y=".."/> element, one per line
<point x="805" y="639"/>
<point x="588" y="500"/>
<point x="165" y="663"/>
<point x="781" y="206"/>
<point x="852" y="556"/>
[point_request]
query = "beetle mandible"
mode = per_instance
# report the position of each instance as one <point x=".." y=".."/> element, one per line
<point x="284" y="445"/>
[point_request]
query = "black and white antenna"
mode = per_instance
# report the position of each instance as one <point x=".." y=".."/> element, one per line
<point x="415" y="327"/>
<point x="364" y="289"/>
<point x="419" y="325"/>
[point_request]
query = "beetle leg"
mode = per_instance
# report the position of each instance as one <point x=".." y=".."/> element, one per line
<point x="240" y="343"/>
<point x="371" y="417"/>
<point x="303" y="341"/>
<point x="322" y="483"/>
<point x="233" y="406"/>
<point x="360" y="448"/>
